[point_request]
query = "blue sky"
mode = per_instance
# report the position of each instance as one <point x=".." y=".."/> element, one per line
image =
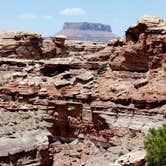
<point x="47" y="16"/>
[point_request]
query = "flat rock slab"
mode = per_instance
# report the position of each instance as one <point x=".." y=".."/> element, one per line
<point x="85" y="76"/>
<point x="60" y="83"/>
<point x="27" y="141"/>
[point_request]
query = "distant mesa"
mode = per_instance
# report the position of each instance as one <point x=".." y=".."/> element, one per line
<point x="87" y="26"/>
<point x="87" y="31"/>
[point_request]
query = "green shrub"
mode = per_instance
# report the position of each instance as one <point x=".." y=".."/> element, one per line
<point x="102" y="69"/>
<point x="63" y="92"/>
<point x="113" y="49"/>
<point x="155" y="145"/>
<point x="5" y="98"/>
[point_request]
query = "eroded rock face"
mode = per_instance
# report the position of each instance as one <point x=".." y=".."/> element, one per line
<point x="145" y="46"/>
<point x="28" y="45"/>
<point x="85" y="110"/>
<point x="20" y="44"/>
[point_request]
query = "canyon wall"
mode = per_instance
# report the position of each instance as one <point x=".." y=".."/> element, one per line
<point x="85" y="110"/>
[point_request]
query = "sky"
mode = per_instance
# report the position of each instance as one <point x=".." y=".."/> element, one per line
<point x="47" y="16"/>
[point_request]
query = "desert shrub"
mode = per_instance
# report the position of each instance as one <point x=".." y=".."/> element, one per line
<point x="133" y="134"/>
<point x="33" y="62"/>
<point x="155" y="145"/>
<point x="44" y="79"/>
<point x="65" y="55"/>
<point x="63" y="92"/>
<point x="36" y="58"/>
<point x="5" y="98"/>
<point x="121" y="153"/>
<point x="102" y="69"/>
<point x="113" y="49"/>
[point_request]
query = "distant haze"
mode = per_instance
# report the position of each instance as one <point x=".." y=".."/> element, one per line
<point x="87" y="31"/>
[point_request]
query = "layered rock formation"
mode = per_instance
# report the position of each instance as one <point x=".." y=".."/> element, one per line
<point x="78" y="48"/>
<point x="29" y="45"/>
<point x="85" y="110"/>
<point x="26" y="45"/>
<point x="147" y="46"/>
<point x="87" y="31"/>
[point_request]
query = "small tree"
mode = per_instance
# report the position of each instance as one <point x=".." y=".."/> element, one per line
<point x="155" y="145"/>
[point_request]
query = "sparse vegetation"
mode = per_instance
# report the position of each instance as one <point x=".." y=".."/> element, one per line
<point x="19" y="69"/>
<point x="5" y="98"/>
<point x="63" y="55"/>
<point x="44" y="79"/>
<point x="155" y="145"/>
<point x="113" y="49"/>
<point x="102" y="69"/>
<point x="4" y="83"/>
<point x="121" y="153"/>
<point x="144" y="76"/>
<point x="63" y="93"/>
<point x="133" y="134"/>
<point x="33" y="62"/>
<point x="79" y="54"/>
<point x="36" y="58"/>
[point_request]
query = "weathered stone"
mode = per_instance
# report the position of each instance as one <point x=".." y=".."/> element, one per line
<point x="139" y="83"/>
<point x="85" y="76"/>
<point x="61" y="83"/>
<point x="131" y="159"/>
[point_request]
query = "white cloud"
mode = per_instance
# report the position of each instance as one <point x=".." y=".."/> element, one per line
<point x="32" y="16"/>
<point x="27" y="16"/>
<point x="72" y="12"/>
